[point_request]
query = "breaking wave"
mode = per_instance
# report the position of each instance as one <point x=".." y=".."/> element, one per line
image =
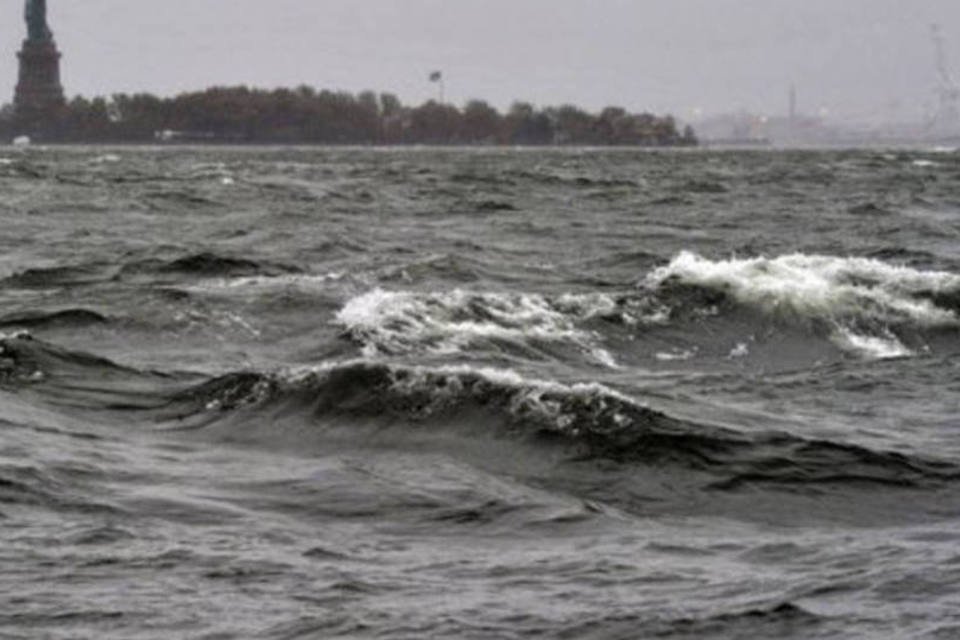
<point x="588" y="421"/>
<point x="868" y="304"/>
<point x="862" y="306"/>
<point x="397" y="322"/>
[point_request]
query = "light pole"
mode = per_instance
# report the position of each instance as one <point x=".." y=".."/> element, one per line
<point x="437" y="78"/>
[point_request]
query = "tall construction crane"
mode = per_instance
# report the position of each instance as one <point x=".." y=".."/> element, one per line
<point x="947" y="118"/>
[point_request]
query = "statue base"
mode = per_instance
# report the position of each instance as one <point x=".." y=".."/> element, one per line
<point x="39" y="99"/>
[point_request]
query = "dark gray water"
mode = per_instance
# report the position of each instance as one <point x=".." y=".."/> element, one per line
<point x="479" y="394"/>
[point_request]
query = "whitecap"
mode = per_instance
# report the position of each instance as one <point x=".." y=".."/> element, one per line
<point x="874" y="347"/>
<point x="840" y="291"/>
<point x="676" y="355"/>
<point x="605" y="358"/>
<point x="742" y="350"/>
<point x="817" y="286"/>
<point x="19" y="334"/>
<point x="414" y="377"/>
<point x="447" y="322"/>
<point x="265" y="283"/>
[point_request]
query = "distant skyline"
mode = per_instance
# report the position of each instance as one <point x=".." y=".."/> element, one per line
<point x="855" y="59"/>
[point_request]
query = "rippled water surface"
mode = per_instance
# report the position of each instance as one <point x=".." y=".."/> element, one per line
<point x="289" y="393"/>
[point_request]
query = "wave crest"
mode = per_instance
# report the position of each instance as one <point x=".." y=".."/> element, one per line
<point x="588" y="421"/>
<point x="389" y="322"/>
<point x="864" y="300"/>
<point x="581" y="421"/>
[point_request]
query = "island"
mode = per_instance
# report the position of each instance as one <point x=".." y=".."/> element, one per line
<point x="305" y="115"/>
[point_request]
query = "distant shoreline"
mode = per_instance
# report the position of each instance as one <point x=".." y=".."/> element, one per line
<point x="917" y="146"/>
<point x="241" y="115"/>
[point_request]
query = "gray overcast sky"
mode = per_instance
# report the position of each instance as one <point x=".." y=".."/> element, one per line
<point x="865" y="58"/>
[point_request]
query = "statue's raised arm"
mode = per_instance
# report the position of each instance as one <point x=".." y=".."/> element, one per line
<point x="36" y="15"/>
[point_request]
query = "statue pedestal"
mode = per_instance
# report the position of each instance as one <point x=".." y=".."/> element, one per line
<point x="39" y="98"/>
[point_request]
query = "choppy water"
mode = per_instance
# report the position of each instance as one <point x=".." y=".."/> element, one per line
<point x="479" y="394"/>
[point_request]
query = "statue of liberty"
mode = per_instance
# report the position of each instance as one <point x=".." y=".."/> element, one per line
<point x="36" y="15"/>
<point x="39" y="100"/>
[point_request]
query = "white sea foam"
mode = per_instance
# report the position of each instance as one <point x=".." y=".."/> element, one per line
<point x="507" y="378"/>
<point x="742" y="350"/>
<point x="20" y="334"/>
<point x="530" y="396"/>
<point x="266" y="284"/>
<point x="820" y="286"/>
<point x="676" y="355"/>
<point x="844" y="291"/>
<point x="877" y="347"/>
<point x="402" y="321"/>
<point x="605" y="358"/>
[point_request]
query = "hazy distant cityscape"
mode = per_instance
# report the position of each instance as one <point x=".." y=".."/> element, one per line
<point x="819" y="127"/>
<point x="889" y="124"/>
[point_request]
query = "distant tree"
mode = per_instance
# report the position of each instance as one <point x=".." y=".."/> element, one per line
<point x="525" y="125"/>
<point x="390" y="105"/>
<point x="571" y="125"/>
<point x="481" y="123"/>
<point x="665" y="131"/>
<point x="84" y="120"/>
<point x="613" y="126"/>
<point x="306" y="92"/>
<point x="433" y="123"/>
<point x="369" y="117"/>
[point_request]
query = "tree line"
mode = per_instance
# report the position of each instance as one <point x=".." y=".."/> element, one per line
<point x="305" y="115"/>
